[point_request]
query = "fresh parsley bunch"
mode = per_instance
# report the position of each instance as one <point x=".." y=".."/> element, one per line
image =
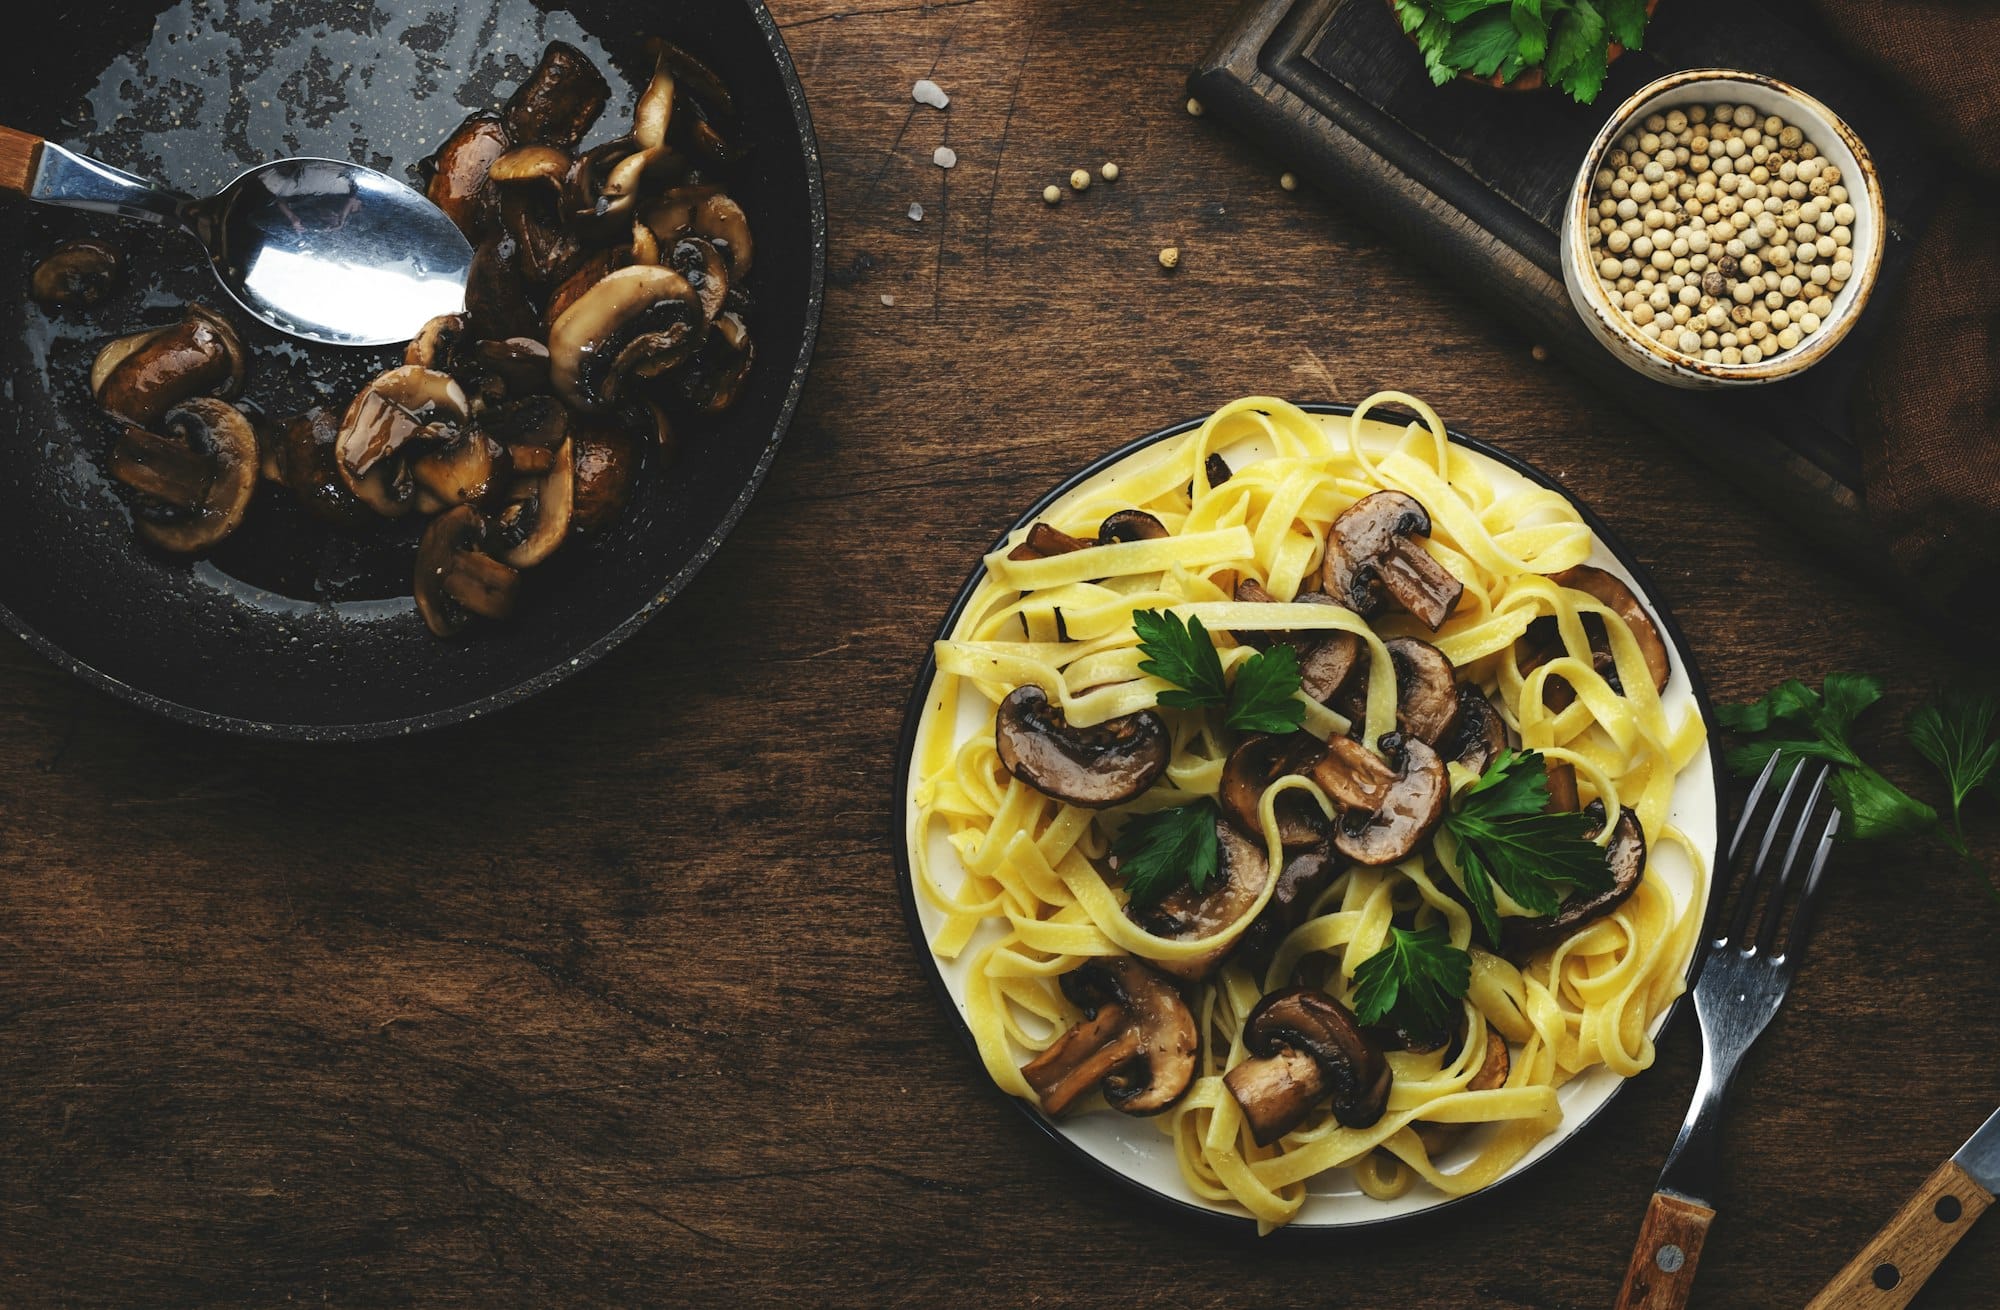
<point x="1569" y="40"/>
<point x="1958" y="733"/>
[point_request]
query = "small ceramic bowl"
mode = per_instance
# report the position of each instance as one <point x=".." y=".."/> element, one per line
<point x="1768" y="96"/>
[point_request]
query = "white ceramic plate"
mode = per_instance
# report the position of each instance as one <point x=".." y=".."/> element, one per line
<point x="1136" y="1151"/>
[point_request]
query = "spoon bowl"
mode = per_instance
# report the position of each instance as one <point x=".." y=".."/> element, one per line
<point x="323" y="249"/>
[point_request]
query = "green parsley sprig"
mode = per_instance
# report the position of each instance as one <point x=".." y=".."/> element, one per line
<point x="1414" y="981"/>
<point x="1264" y="697"/>
<point x="1158" y="852"/>
<point x="1503" y="835"/>
<point x="1569" y="40"/>
<point x="1958" y="733"/>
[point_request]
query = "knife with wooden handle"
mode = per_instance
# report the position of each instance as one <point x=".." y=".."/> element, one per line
<point x="1892" y="1268"/>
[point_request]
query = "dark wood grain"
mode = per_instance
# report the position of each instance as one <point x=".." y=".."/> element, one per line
<point x="607" y="999"/>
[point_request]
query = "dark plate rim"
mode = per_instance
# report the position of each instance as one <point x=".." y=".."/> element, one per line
<point x="570" y="665"/>
<point x="1215" y="1220"/>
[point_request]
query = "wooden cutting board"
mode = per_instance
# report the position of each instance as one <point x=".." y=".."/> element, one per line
<point x="1474" y="179"/>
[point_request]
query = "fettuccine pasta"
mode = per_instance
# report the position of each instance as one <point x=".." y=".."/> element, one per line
<point x="1032" y="893"/>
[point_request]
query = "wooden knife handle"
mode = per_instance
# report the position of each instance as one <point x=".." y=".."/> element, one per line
<point x="1662" y="1270"/>
<point x="19" y="153"/>
<point x="1910" y="1247"/>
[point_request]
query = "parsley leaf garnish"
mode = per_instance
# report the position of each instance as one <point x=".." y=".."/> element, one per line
<point x="1957" y="734"/>
<point x="1415" y="978"/>
<point x="1504" y="837"/>
<point x="1264" y="697"/>
<point x="1182" y="653"/>
<point x="1569" y="40"/>
<point x="1796" y="723"/>
<point x="1158" y="852"/>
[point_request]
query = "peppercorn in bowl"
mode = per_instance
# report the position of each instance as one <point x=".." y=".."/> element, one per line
<point x="1724" y="229"/>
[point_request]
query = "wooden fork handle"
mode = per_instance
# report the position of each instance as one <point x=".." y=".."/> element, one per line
<point x="1662" y="1270"/>
<point x="20" y="153"/>
<point x="1892" y="1267"/>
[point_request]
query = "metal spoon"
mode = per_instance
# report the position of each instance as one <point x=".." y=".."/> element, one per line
<point x="320" y="248"/>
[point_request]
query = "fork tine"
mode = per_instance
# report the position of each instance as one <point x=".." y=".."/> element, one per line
<point x="1746" y="895"/>
<point x="1795" y="942"/>
<point x="1774" y="907"/>
<point x="1750" y="806"/>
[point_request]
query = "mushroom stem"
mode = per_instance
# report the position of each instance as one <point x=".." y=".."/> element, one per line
<point x="1419" y="583"/>
<point x="1276" y="1092"/>
<point x="1082" y="1058"/>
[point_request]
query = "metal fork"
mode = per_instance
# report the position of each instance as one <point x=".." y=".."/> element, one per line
<point x="1742" y="983"/>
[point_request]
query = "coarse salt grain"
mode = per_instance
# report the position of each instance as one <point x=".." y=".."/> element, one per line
<point x="945" y="157"/>
<point x="927" y="92"/>
<point x="916" y="212"/>
<point x="888" y="300"/>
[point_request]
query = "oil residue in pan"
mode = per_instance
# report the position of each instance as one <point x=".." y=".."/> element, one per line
<point x="218" y="87"/>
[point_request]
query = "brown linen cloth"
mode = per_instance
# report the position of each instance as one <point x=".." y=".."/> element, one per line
<point x="1928" y="411"/>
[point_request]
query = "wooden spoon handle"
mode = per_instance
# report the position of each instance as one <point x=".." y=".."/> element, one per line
<point x="1910" y="1247"/>
<point x="1662" y="1270"/>
<point x="19" y="155"/>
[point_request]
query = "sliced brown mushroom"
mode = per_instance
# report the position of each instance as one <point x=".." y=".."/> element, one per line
<point x="1136" y="1042"/>
<point x="560" y="100"/>
<point x="1306" y="1046"/>
<point x="670" y="215"/>
<point x="1326" y="659"/>
<point x="643" y="319"/>
<point x="1426" y="690"/>
<point x="456" y="578"/>
<point x="1256" y="763"/>
<point x="1426" y="695"/>
<point x="81" y="272"/>
<point x="704" y="116"/>
<point x="600" y="265"/>
<point x="1610" y="591"/>
<point x="538" y="513"/>
<point x="1044" y="541"/>
<point x="140" y="377"/>
<point x="714" y="377"/>
<point x="1095" y="767"/>
<point x="300" y="457"/>
<point x="404" y="405"/>
<point x="1217" y="469"/>
<point x="459" y="471"/>
<point x="1131" y="525"/>
<point x="438" y="343"/>
<point x="1372" y="556"/>
<point x="1626" y="857"/>
<point x="654" y="114"/>
<point x="536" y="165"/>
<point x="1303" y="878"/>
<point x="1562" y="787"/>
<point x="195" y="478"/>
<point x="705" y="269"/>
<point x="507" y="370"/>
<point x="531" y="430"/>
<point x="1410" y="806"/>
<point x="1185" y="914"/>
<point x="1492" y="1074"/>
<point x="1352" y="776"/>
<point x="1480" y="734"/>
<point x="455" y="177"/>
<point x="1541" y="643"/>
<point x="499" y="294"/>
<point x="607" y="463"/>
<point x="723" y="222"/>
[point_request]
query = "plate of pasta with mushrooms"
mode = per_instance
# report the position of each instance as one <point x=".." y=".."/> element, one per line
<point x="1308" y="814"/>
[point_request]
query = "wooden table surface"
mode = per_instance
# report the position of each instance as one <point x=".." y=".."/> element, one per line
<point x="608" y="999"/>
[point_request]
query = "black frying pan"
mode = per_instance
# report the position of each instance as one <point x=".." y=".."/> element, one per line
<point x="291" y="629"/>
